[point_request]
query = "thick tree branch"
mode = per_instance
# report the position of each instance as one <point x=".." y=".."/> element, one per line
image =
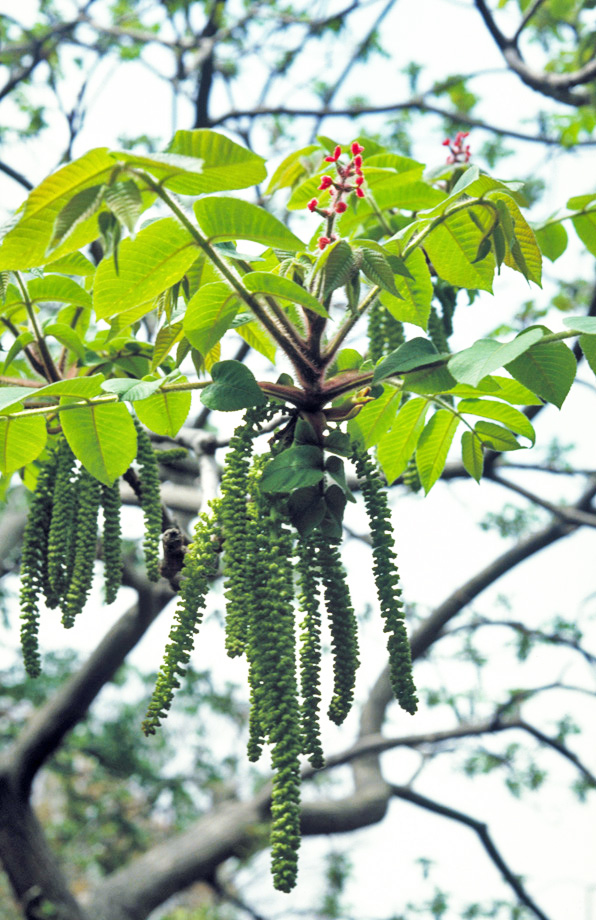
<point x="49" y="724"/>
<point x="481" y="829"/>
<point x="554" y="85"/>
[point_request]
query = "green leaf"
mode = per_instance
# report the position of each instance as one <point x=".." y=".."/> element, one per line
<point x="501" y="388"/>
<point x="209" y="314"/>
<point x="416" y="293"/>
<point x="429" y="380"/>
<point x="255" y="336"/>
<point x="80" y="207"/>
<point x="234" y="219"/>
<point x="125" y="201"/>
<point x="165" y="411"/>
<point x="489" y="408"/>
<point x="149" y="264"/>
<point x="585" y="227"/>
<point x="306" y="509"/>
<point x="26" y="244"/>
<point x="377" y="269"/>
<point x="225" y="164"/>
<point x="337" y="264"/>
<point x="81" y="387"/>
<point x="75" y="263"/>
<point x="415" y="353"/>
<point x="128" y="390"/>
<point x="524" y="255"/>
<point x="336" y="470"/>
<point x="495" y="437"/>
<point x="588" y="347"/>
<point x="452" y="247"/>
<point x="12" y="396"/>
<point x="548" y="370"/>
<point x="472" y="455"/>
<point x="277" y="286"/>
<point x="68" y="337"/>
<point x="55" y="288"/>
<point x="433" y="447"/>
<point x="552" y="240"/>
<point x="295" y="468"/>
<point x="291" y="169"/>
<point x="396" y="447"/>
<point x="21" y="342"/>
<point x="348" y="359"/>
<point x="486" y="356"/>
<point x="234" y="387"/>
<point x="376" y="417"/>
<point x="21" y="441"/>
<point x="166" y="338"/>
<point x="102" y="437"/>
<point x="585" y="324"/>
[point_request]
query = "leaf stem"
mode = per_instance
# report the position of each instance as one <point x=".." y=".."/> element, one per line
<point x="50" y="370"/>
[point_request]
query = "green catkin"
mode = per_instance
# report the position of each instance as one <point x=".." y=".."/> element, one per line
<point x="171" y="455"/>
<point x="376" y="334"/>
<point x="274" y="643"/>
<point x="200" y="568"/>
<point x="393" y="332"/>
<point x="387" y="580"/>
<point x="89" y="497"/>
<point x="150" y="500"/>
<point x="344" y="629"/>
<point x="411" y="476"/>
<point x="234" y="520"/>
<point x="62" y="533"/>
<point x="112" y="540"/>
<point x="33" y="563"/>
<point x="310" y="654"/>
<point x="436" y="331"/>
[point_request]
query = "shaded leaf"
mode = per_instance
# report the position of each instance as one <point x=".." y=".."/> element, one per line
<point x="233" y="387"/>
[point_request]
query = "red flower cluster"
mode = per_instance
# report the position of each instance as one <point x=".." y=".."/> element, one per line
<point x="349" y="179"/>
<point x="459" y="153"/>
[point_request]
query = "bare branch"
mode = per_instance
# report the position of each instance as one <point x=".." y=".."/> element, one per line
<point x="481" y="829"/>
<point x="573" y="515"/>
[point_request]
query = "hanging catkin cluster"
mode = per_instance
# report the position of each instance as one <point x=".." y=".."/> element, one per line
<point x="276" y="584"/>
<point x="60" y="539"/>
<point x="385" y="333"/>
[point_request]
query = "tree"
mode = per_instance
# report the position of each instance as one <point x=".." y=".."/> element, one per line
<point x="391" y="245"/>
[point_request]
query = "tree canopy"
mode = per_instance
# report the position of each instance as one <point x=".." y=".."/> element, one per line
<point x="256" y="330"/>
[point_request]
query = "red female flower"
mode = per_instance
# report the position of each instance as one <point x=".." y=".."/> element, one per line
<point x="340" y="207"/>
<point x="326" y="182"/>
<point x="335" y="157"/>
<point x="356" y="148"/>
<point x="323" y="241"/>
<point x="312" y="204"/>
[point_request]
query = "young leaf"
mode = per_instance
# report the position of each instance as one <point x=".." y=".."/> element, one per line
<point x="81" y="206"/>
<point x="166" y="338"/>
<point x="376" y="417"/>
<point x="158" y="257"/>
<point x="524" y="250"/>
<point x="255" y="336"/>
<point x="290" y="170"/>
<point x="102" y="437"/>
<point x="377" y="269"/>
<point x="338" y="265"/>
<point x="472" y="455"/>
<point x="234" y="219"/>
<point x="128" y="390"/>
<point x="396" y="447"/>
<point x="486" y="356"/>
<point x="125" y="201"/>
<point x="209" y="314"/>
<point x="433" y="447"/>
<point x="233" y="387"/>
<point x="54" y="288"/>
